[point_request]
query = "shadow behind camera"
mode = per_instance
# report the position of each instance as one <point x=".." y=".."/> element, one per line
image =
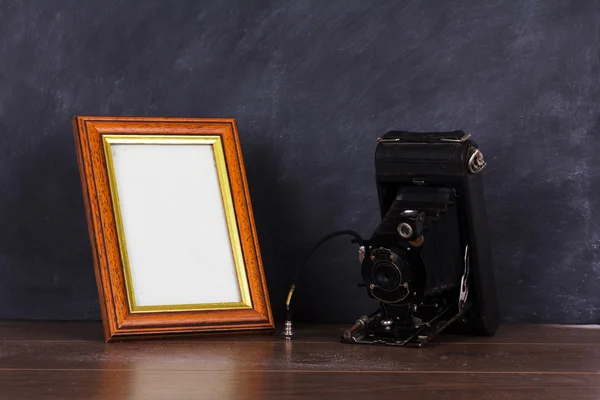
<point x="428" y="262"/>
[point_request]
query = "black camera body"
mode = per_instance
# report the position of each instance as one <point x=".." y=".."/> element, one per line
<point x="429" y="260"/>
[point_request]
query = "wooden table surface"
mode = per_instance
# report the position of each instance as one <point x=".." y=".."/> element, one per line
<point x="71" y="361"/>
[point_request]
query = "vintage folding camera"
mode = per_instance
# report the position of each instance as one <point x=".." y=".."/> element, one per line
<point x="428" y="262"/>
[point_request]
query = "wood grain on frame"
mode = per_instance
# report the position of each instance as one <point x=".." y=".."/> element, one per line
<point x="118" y="321"/>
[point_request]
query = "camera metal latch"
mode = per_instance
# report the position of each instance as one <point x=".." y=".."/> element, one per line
<point x="476" y="162"/>
<point x="410" y="138"/>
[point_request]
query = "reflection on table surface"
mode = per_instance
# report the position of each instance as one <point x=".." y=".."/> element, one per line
<point x="521" y="362"/>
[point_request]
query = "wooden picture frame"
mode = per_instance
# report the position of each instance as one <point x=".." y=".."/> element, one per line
<point x="171" y="226"/>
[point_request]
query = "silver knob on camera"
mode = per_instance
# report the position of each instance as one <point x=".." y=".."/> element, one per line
<point x="476" y="162"/>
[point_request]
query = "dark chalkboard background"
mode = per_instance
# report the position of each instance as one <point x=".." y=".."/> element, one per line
<point x="312" y="84"/>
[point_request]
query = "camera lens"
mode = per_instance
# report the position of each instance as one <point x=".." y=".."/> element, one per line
<point x="405" y="230"/>
<point x="386" y="275"/>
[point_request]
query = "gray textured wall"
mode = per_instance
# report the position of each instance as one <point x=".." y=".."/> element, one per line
<point x="312" y="85"/>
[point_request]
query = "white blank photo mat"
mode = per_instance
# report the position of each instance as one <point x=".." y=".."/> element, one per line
<point x="175" y="225"/>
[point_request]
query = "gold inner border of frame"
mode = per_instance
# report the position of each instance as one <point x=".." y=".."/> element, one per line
<point x="238" y="257"/>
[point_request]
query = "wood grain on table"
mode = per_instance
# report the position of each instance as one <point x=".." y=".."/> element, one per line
<point x="71" y="361"/>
